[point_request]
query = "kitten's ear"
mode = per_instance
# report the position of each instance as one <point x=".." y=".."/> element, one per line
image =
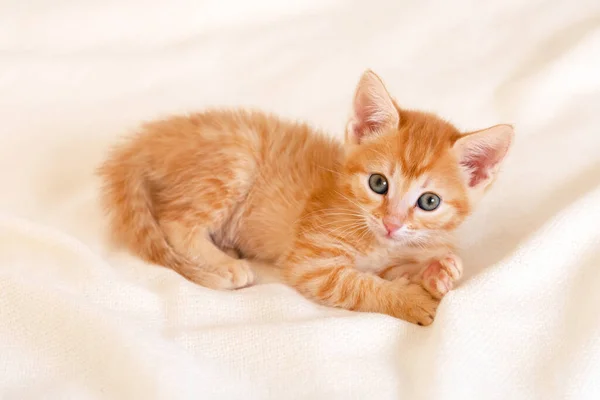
<point x="373" y="109"/>
<point x="481" y="153"/>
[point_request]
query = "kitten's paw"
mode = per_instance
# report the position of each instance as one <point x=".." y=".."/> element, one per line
<point x="234" y="274"/>
<point x="440" y="275"/>
<point x="453" y="265"/>
<point x="238" y="273"/>
<point x="419" y="307"/>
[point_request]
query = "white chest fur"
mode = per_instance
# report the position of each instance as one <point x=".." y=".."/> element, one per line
<point x="374" y="262"/>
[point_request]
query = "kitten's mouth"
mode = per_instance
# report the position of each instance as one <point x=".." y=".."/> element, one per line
<point x="393" y="236"/>
<point x="404" y="234"/>
<point x="401" y="235"/>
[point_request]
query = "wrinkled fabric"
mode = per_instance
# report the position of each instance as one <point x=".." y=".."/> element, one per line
<point x="81" y="319"/>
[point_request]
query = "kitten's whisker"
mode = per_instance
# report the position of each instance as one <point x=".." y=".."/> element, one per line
<point x="342" y="224"/>
<point x="330" y="170"/>
<point x="344" y="228"/>
<point x="353" y="202"/>
<point x="328" y="210"/>
<point x="366" y="232"/>
<point x="337" y="228"/>
<point x="338" y="212"/>
<point x="355" y="214"/>
<point x="344" y="235"/>
<point x="348" y="229"/>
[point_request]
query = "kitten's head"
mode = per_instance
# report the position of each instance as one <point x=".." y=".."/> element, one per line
<point x="412" y="174"/>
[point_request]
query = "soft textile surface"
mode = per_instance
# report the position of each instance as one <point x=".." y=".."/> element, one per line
<point x="81" y="320"/>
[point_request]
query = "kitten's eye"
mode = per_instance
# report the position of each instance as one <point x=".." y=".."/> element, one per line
<point x="429" y="201"/>
<point x="378" y="183"/>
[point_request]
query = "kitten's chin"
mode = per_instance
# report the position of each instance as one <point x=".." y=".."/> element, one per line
<point x="404" y="238"/>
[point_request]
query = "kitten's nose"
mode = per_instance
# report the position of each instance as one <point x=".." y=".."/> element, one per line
<point x="392" y="224"/>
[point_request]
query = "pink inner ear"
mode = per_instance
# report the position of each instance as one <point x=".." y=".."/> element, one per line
<point x="373" y="108"/>
<point x="365" y="124"/>
<point x="479" y="162"/>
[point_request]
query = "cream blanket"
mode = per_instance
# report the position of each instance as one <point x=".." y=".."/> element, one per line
<point x="80" y="320"/>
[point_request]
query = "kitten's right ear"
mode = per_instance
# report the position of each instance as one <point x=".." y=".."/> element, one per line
<point x="373" y="110"/>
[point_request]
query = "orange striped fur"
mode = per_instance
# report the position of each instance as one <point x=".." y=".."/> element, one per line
<point x="212" y="194"/>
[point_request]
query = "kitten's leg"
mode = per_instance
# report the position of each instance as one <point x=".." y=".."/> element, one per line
<point x="200" y="201"/>
<point x="345" y="287"/>
<point x="212" y="268"/>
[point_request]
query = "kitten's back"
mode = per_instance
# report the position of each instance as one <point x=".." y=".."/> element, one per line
<point x="247" y="172"/>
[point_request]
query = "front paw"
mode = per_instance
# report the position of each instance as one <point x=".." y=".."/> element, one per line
<point x="440" y="275"/>
<point x="420" y="306"/>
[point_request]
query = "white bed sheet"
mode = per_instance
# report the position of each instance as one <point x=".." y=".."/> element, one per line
<point x="80" y="320"/>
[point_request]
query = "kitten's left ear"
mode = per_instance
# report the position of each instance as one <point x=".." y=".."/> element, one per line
<point x="373" y="110"/>
<point x="481" y="153"/>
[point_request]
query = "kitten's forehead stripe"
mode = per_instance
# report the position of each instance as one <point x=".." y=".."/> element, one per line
<point x="421" y="140"/>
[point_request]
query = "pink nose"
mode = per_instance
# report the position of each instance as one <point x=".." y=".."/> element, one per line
<point x="392" y="224"/>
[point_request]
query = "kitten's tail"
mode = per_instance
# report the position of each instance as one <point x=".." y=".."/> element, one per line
<point x="128" y="201"/>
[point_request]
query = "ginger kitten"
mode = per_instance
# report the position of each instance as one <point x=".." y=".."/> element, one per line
<point x="364" y="225"/>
